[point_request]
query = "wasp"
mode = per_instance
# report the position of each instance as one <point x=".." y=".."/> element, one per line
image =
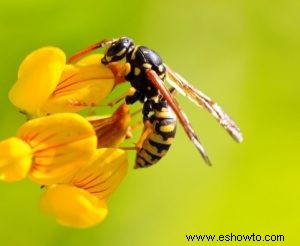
<point x="146" y="72"/>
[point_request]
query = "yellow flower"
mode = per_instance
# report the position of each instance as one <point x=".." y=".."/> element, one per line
<point x="112" y="130"/>
<point x="46" y="84"/>
<point x="48" y="149"/>
<point x="83" y="201"/>
<point x="15" y="159"/>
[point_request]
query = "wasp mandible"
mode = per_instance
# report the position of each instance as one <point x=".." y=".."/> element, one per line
<point x="146" y="72"/>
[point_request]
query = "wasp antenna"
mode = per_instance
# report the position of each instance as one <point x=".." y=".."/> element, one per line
<point x="89" y="49"/>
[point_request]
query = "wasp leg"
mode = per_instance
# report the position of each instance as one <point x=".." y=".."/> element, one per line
<point x="120" y="70"/>
<point x="136" y="96"/>
<point x="121" y="97"/>
<point x="135" y="126"/>
<point x="148" y="128"/>
<point x="146" y="131"/>
<point x="127" y="148"/>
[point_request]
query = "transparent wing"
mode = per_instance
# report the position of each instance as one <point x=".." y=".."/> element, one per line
<point x="200" y="99"/>
<point x="163" y="90"/>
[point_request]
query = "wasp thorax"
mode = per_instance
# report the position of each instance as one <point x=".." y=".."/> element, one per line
<point x="118" y="50"/>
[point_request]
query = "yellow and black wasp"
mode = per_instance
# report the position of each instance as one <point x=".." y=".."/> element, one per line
<point x="146" y="72"/>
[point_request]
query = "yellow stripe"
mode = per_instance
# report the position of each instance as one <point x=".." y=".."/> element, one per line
<point x="140" y="161"/>
<point x="145" y="155"/>
<point x="167" y="128"/>
<point x="162" y="114"/>
<point x="158" y="139"/>
<point x="133" y="53"/>
<point x="121" y="52"/>
<point x="153" y="150"/>
<point x="147" y="65"/>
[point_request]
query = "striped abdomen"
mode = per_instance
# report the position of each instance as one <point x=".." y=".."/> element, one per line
<point x="159" y="140"/>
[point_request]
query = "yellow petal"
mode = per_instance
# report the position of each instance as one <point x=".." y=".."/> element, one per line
<point x="62" y="144"/>
<point x="108" y="168"/>
<point x="72" y="206"/>
<point x="111" y="131"/>
<point x="90" y="60"/>
<point x="38" y="76"/>
<point x="82" y="85"/>
<point x="15" y="159"/>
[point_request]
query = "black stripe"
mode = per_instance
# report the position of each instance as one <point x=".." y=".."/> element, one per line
<point x="137" y="165"/>
<point x="147" y="163"/>
<point x="154" y="158"/>
<point x="159" y="146"/>
<point x="165" y="122"/>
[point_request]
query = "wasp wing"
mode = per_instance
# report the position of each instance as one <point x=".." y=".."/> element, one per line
<point x="200" y="99"/>
<point x="163" y="90"/>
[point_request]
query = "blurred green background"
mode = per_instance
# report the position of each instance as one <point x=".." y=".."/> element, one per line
<point x="244" y="54"/>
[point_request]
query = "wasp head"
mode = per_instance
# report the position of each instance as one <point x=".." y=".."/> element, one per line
<point x="118" y="50"/>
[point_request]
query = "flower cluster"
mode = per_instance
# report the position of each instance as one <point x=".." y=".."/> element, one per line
<point x="76" y="160"/>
